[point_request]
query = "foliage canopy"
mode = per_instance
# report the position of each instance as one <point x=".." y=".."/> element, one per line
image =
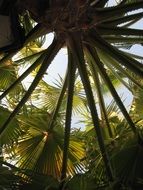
<point x="36" y="138"/>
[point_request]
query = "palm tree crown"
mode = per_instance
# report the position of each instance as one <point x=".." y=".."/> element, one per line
<point x="39" y="138"/>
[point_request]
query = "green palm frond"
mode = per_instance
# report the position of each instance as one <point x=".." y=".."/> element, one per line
<point x="7" y="76"/>
<point x="113" y="116"/>
<point x="12" y="132"/>
<point x="8" y="178"/>
<point x="40" y="149"/>
<point x="48" y="95"/>
<point x="127" y="169"/>
<point x="136" y="108"/>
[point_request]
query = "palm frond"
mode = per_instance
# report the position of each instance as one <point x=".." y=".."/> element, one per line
<point x="53" y="49"/>
<point x="41" y="148"/>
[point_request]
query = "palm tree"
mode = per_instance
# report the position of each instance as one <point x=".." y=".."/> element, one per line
<point x="93" y="34"/>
